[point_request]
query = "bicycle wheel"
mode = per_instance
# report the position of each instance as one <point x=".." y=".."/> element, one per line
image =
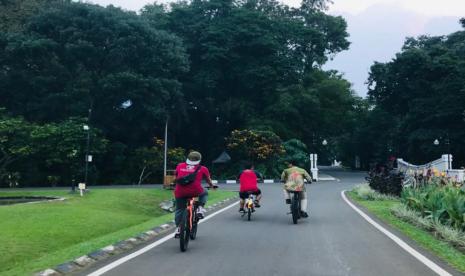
<point x="295" y="208"/>
<point x="184" y="233"/>
<point x="249" y="213"/>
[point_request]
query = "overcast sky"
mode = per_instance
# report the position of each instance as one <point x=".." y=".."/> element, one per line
<point x="377" y="28"/>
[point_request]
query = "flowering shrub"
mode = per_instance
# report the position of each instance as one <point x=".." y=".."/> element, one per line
<point x="441" y="203"/>
<point x="264" y="148"/>
<point x="255" y="145"/>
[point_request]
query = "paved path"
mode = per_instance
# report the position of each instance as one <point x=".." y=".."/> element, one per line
<point x="334" y="240"/>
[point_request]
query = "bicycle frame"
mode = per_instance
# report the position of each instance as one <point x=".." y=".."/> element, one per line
<point x="249" y="205"/>
<point x="189" y="224"/>
<point x="249" y="202"/>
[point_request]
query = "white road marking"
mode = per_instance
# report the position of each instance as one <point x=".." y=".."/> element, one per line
<point x="150" y="246"/>
<point x="433" y="266"/>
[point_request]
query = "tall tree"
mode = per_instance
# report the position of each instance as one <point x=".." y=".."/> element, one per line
<point x="74" y="57"/>
<point x="422" y="90"/>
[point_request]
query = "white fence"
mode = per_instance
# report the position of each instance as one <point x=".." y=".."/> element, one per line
<point x="443" y="164"/>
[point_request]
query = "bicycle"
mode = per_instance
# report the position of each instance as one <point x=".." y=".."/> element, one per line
<point x="295" y="206"/>
<point x="189" y="224"/>
<point x="249" y="205"/>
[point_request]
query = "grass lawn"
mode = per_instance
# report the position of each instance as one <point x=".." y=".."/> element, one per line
<point x="382" y="209"/>
<point x="36" y="236"/>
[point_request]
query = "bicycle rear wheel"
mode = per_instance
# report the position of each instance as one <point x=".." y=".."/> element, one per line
<point x="249" y="213"/>
<point x="295" y="208"/>
<point x="184" y="233"/>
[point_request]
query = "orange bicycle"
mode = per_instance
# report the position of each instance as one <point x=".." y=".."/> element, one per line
<point x="189" y="223"/>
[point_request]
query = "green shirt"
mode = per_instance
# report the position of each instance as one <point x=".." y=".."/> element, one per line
<point x="293" y="178"/>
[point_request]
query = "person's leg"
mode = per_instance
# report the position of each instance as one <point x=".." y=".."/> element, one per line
<point x="242" y="196"/>
<point x="181" y="204"/>
<point x="203" y="197"/>
<point x="303" y="204"/>
<point x="258" y="196"/>
<point x="287" y="196"/>
<point x="202" y="201"/>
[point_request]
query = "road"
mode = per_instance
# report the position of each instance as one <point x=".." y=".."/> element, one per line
<point x="334" y="240"/>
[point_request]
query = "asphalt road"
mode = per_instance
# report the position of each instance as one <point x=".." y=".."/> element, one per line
<point x="334" y="240"/>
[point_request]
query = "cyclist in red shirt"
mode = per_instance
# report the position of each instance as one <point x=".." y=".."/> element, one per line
<point x="248" y="184"/>
<point x="183" y="192"/>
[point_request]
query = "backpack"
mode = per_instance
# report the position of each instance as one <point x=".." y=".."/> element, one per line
<point x="188" y="179"/>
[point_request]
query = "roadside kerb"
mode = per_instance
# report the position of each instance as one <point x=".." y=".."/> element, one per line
<point x="122" y="246"/>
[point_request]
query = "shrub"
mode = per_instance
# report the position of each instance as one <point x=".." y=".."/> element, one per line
<point x="364" y="191"/>
<point x="389" y="183"/>
<point x="442" y="204"/>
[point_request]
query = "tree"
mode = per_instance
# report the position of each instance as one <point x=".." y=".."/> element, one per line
<point x="15" y="144"/>
<point x="260" y="147"/>
<point x="60" y="149"/>
<point x="74" y="57"/>
<point x="148" y="161"/>
<point x="422" y="92"/>
<point x="14" y="14"/>
<point x="296" y="151"/>
<point x="243" y="55"/>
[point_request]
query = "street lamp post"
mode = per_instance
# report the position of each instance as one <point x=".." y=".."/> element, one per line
<point x="87" y="128"/>
<point x="447" y="142"/>
<point x="165" y="150"/>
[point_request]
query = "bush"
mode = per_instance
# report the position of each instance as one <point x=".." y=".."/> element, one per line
<point x="389" y="183"/>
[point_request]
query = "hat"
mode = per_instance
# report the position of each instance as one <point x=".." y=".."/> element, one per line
<point x="193" y="158"/>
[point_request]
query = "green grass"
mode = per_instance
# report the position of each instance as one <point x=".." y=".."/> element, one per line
<point x="36" y="236"/>
<point x="382" y="209"/>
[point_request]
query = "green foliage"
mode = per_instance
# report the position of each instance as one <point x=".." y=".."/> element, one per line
<point x="14" y="14"/>
<point x="55" y="149"/>
<point x="442" y="204"/>
<point x="419" y="97"/>
<point x="246" y="56"/>
<point x="365" y="192"/>
<point x="209" y="66"/>
<point x="295" y="150"/>
<point x="77" y="56"/>
<point x="261" y="147"/>
<point x="149" y="161"/>
<point x="61" y="147"/>
<point x="14" y="145"/>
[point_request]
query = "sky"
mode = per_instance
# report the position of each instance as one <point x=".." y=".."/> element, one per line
<point x="377" y="28"/>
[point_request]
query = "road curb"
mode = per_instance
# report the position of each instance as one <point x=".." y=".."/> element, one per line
<point x="123" y="246"/>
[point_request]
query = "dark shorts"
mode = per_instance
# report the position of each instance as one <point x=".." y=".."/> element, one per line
<point x="244" y="195"/>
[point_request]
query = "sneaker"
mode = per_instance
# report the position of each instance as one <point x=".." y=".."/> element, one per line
<point x="257" y="204"/>
<point x="241" y="210"/>
<point x="177" y="233"/>
<point x="303" y="214"/>
<point x="201" y="212"/>
<point x="288" y="201"/>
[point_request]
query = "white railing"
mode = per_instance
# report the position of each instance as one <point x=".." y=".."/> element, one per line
<point x="443" y="164"/>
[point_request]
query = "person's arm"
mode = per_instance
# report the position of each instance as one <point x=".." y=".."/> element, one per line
<point x="283" y="176"/>
<point x="238" y="177"/>
<point x="259" y="175"/>
<point x="207" y="177"/>
<point x="308" y="177"/>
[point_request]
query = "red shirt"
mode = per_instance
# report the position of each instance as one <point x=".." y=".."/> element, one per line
<point x="248" y="181"/>
<point x="193" y="189"/>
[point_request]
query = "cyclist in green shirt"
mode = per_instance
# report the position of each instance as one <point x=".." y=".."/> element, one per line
<point x="293" y="178"/>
